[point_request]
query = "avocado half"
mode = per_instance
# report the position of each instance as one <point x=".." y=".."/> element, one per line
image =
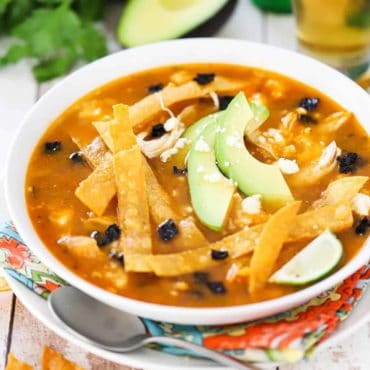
<point x="146" y="21"/>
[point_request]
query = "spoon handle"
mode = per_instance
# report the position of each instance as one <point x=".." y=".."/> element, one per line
<point x="211" y="354"/>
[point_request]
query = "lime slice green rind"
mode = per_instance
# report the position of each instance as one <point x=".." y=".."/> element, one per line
<point x="317" y="260"/>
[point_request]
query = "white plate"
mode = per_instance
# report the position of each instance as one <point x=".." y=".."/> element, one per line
<point x="155" y="360"/>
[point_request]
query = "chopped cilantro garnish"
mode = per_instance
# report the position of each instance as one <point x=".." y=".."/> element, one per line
<point x="52" y="33"/>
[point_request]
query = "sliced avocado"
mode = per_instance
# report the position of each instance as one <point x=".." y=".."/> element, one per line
<point x="233" y="158"/>
<point x="260" y="115"/>
<point x="192" y="133"/>
<point x="145" y="21"/>
<point x="211" y="193"/>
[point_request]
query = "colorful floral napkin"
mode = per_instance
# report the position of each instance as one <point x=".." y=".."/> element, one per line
<point x="286" y="337"/>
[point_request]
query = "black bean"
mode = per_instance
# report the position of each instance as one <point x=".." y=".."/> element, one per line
<point x="219" y="255"/>
<point x="224" y="101"/>
<point x="52" y="147"/>
<point x="77" y="157"/>
<point x="155" y="88"/>
<point x="363" y="226"/>
<point x="167" y="230"/>
<point x="216" y="287"/>
<point x="204" y="78"/>
<point x="119" y="257"/>
<point x="348" y="162"/>
<point x="309" y="103"/>
<point x="179" y="171"/>
<point x="113" y="232"/>
<point x="201" y="277"/>
<point x="158" y="130"/>
<point x="306" y="118"/>
<point x="101" y="238"/>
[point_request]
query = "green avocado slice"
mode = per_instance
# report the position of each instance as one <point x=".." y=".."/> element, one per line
<point x="191" y="134"/>
<point x="211" y="193"/>
<point x="145" y="21"/>
<point x="233" y="158"/>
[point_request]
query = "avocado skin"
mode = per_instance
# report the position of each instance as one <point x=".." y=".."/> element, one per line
<point x="213" y="25"/>
<point x="208" y="27"/>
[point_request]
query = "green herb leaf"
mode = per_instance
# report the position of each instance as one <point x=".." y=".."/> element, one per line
<point x="54" y="67"/>
<point x="14" y="54"/>
<point x="3" y="5"/>
<point x="56" y="38"/>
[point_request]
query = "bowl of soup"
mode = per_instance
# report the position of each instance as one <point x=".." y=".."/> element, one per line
<point x="199" y="181"/>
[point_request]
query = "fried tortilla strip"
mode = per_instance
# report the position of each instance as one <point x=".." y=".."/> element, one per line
<point x="189" y="261"/>
<point x="275" y="232"/>
<point x="117" y="133"/>
<point x="307" y="225"/>
<point x="340" y="191"/>
<point x="159" y="201"/>
<point x="146" y="109"/>
<point x="15" y="364"/>
<point x="98" y="189"/>
<point x="52" y="360"/>
<point x="133" y="210"/>
<point x="94" y="152"/>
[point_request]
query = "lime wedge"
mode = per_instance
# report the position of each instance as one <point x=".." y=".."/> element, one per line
<point x="312" y="263"/>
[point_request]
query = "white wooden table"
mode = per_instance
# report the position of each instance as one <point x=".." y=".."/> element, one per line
<point x="23" y="334"/>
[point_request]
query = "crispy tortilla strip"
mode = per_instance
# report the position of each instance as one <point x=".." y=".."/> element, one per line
<point x="160" y="209"/>
<point x="159" y="204"/>
<point x="307" y="225"/>
<point x="94" y="152"/>
<point x="98" y="189"/>
<point x="159" y="200"/>
<point x="117" y="133"/>
<point x="133" y="210"/>
<point x="193" y="260"/>
<point x="340" y="191"/>
<point x="15" y="364"/>
<point x="146" y="109"/>
<point x="100" y="223"/>
<point x="266" y="252"/>
<point x="52" y="360"/>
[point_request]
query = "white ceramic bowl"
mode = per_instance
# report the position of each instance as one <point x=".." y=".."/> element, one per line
<point x="52" y="104"/>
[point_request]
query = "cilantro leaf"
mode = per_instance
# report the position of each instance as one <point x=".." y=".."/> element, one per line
<point x="56" y="38"/>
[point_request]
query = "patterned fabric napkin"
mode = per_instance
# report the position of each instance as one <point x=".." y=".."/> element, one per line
<point x="286" y="337"/>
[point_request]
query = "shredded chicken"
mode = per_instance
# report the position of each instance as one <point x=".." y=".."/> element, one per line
<point x="215" y="99"/>
<point x="334" y="122"/>
<point x="318" y="169"/>
<point x="288" y="121"/>
<point x="81" y="246"/>
<point x="154" y="148"/>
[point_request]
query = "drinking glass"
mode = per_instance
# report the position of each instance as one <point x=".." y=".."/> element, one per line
<point x="335" y="31"/>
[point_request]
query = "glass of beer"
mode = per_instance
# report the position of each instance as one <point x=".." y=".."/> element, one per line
<point x="335" y="31"/>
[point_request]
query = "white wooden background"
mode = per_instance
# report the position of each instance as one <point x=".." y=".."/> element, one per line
<point x="23" y="334"/>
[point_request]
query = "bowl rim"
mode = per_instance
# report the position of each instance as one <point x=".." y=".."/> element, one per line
<point x="192" y="50"/>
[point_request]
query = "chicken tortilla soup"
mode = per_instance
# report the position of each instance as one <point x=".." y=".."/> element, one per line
<point x="202" y="185"/>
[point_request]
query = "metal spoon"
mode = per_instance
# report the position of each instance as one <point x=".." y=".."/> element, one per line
<point x="115" y="330"/>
